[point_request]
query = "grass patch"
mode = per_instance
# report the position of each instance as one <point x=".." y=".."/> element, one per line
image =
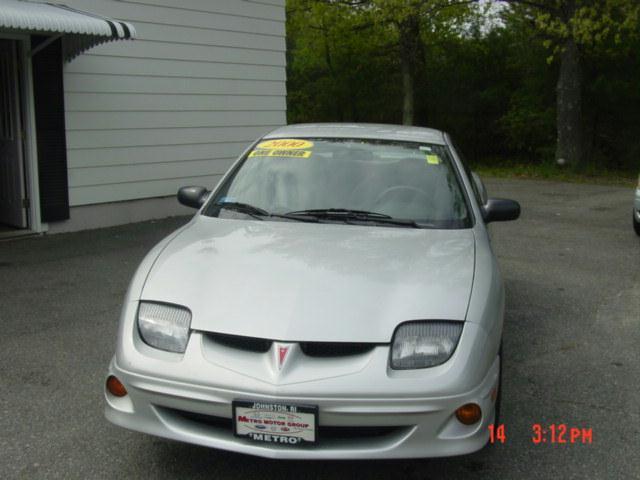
<point x="551" y="171"/>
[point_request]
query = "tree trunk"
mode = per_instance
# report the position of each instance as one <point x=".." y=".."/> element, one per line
<point x="409" y="31"/>
<point x="408" y="94"/>
<point x="569" y="149"/>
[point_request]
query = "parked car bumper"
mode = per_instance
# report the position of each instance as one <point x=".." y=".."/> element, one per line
<point x="380" y="413"/>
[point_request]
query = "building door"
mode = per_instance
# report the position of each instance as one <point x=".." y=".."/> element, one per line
<point x="12" y="182"/>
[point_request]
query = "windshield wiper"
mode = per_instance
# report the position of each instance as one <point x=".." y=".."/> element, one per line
<point x="339" y="212"/>
<point x="260" y="213"/>
<point x="255" y="212"/>
<point x="314" y="215"/>
<point x="358" y="215"/>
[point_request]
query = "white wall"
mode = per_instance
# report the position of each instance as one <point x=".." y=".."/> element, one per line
<point x="176" y="106"/>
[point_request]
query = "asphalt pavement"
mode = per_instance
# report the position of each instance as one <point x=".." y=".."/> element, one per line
<point x="571" y="266"/>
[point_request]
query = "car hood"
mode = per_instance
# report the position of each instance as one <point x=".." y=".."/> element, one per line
<point x="295" y="281"/>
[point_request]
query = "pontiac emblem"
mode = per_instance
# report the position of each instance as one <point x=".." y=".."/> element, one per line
<point x="282" y="356"/>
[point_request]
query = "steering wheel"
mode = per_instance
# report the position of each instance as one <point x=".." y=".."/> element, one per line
<point x="398" y="191"/>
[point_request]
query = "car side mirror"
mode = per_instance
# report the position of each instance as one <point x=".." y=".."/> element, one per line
<point x="500" y="210"/>
<point x="193" y="196"/>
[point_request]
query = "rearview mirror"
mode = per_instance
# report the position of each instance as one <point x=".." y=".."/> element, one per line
<point x="193" y="196"/>
<point x="500" y="210"/>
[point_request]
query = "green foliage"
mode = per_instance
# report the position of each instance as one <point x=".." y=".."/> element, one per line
<point x="338" y="66"/>
<point x="487" y="83"/>
<point x="551" y="171"/>
<point x="592" y="24"/>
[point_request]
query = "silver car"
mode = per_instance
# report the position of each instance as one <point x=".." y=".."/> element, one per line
<point x="336" y="296"/>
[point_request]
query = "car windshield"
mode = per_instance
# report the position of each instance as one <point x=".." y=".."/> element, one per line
<point x="398" y="180"/>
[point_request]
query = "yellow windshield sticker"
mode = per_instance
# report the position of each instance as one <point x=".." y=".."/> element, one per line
<point x="285" y="144"/>
<point x="281" y="153"/>
<point x="433" y="159"/>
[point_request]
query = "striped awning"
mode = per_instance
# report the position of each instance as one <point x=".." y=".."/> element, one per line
<point x="79" y="30"/>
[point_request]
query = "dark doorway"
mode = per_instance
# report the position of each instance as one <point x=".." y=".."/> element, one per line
<point x="13" y="211"/>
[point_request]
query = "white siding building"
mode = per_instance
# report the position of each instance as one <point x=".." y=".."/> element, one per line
<point x="173" y="107"/>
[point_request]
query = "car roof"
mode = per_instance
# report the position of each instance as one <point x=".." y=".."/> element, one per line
<point x="359" y="130"/>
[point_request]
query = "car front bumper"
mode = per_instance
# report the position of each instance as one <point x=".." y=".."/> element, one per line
<point x="381" y="413"/>
<point x="636" y="206"/>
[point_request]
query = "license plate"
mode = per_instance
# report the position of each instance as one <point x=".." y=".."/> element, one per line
<point x="276" y="423"/>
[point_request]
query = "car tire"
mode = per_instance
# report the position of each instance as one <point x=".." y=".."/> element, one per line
<point x="636" y="224"/>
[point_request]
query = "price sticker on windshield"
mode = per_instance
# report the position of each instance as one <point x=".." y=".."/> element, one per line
<point x="281" y="153"/>
<point x="285" y="144"/>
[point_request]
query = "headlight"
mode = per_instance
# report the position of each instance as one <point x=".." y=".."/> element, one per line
<point x="164" y="326"/>
<point x="424" y="344"/>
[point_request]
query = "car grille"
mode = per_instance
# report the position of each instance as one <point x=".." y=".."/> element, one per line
<point x="311" y="349"/>
<point x="250" y="344"/>
<point x="324" y="432"/>
<point x="335" y="349"/>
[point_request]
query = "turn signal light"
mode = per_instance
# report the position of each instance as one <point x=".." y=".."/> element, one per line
<point x="469" y="413"/>
<point x="115" y="387"/>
